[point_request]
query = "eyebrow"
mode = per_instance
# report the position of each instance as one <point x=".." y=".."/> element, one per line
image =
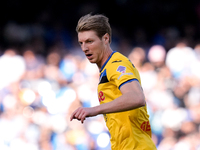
<point x="87" y="40"/>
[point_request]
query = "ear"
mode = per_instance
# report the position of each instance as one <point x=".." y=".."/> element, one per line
<point x="106" y="38"/>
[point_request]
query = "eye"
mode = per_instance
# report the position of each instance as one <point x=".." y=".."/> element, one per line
<point x="89" y="41"/>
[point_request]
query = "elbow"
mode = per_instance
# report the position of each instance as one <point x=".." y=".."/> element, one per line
<point x="137" y="101"/>
<point x="141" y="102"/>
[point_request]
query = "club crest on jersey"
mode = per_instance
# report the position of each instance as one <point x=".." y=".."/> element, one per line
<point x="121" y="69"/>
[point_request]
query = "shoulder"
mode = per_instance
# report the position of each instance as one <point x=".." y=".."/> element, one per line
<point x="118" y="64"/>
<point x="118" y="55"/>
<point x="118" y="60"/>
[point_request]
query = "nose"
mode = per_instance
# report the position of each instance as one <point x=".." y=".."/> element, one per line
<point x="84" y="47"/>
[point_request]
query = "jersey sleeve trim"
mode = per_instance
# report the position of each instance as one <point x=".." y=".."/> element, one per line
<point x="128" y="81"/>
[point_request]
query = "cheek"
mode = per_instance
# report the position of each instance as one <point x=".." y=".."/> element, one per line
<point x="95" y="49"/>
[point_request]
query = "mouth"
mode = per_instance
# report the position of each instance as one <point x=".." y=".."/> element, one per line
<point x="89" y="56"/>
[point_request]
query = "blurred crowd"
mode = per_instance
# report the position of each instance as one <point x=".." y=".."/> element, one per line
<point x="45" y="76"/>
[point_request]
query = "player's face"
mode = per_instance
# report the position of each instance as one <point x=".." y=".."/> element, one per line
<point x="92" y="46"/>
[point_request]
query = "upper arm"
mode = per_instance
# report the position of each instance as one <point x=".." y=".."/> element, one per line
<point x="126" y="77"/>
<point x="133" y="86"/>
<point x="134" y="89"/>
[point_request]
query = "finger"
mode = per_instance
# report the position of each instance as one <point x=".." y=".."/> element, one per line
<point x="78" y="114"/>
<point x="83" y="118"/>
<point x="73" y="115"/>
<point x="71" y="118"/>
<point x="82" y="121"/>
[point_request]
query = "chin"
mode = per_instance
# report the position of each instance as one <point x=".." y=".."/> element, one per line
<point x="92" y="61"/>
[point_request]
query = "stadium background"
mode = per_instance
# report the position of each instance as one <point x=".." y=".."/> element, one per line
<point x="44" y="75"/>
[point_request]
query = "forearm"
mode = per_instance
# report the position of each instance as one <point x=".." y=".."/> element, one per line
<point x="123" y="103"/>
<point x="132" y="97"/>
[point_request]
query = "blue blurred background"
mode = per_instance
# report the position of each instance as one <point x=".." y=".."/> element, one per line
<point x="44" y="75"/>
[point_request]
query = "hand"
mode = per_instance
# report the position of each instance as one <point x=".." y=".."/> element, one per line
<point x="82" y="112"/>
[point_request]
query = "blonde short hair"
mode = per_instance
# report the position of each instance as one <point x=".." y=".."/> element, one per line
<point x="98" y="23"/>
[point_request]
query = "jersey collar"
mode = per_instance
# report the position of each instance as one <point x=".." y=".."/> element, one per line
<point x="107" y="61"/>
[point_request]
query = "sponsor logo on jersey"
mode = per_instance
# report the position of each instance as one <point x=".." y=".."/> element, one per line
<point x="145" y="126"/>
<point x="116" y="61"/>
<point x="121" y="69"/>
<point x="124" y="74"/>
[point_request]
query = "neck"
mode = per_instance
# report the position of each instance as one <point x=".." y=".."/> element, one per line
<point x="105" y="56"/>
